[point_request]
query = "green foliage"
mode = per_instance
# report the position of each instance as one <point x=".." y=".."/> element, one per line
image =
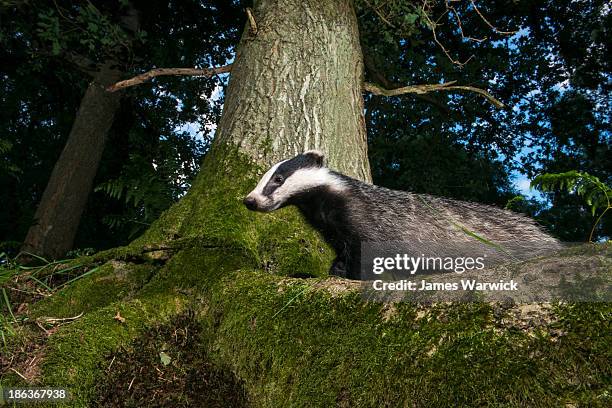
<point x="455" y="144"/>
<point x="82" y="25"/>
<point x="48" y="51"/>
<point x="553" y="73"/>
<point x="595" y="193"/>
<point x="149" y="185"/>
<point x="514" y="202"/>
<point x="5" y="165"/>
<point x="402" y="17"/>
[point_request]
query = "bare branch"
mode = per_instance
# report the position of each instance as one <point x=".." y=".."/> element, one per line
<point x="465" y="37"/>
<point x="426" y="88"/>
<point x="139" y="79"/>
<point x="491" y="26"/>
<point x="433" y="26"/>
<point x="381" y="79"/>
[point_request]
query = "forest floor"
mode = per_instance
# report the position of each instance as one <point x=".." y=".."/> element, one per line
<point x="202" y="327"/>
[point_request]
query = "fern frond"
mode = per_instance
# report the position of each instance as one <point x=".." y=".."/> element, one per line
<point x="596" y="194"/>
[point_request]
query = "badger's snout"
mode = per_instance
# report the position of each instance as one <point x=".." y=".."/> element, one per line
<point x="250" y="203"/>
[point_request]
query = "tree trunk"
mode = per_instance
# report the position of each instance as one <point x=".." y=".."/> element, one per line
<point x="297" y="85"/>
<point x="59" y="212"/>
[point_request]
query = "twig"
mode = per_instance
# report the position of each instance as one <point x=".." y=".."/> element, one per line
<point x="597" y="222"/>
<point x="42" y="328"/>
<point x="52" y="320"/>
<point x="111" y="364"/>
<point x="252" y="22"/>
<point x="426" y="88"/>
<point x="465" y="37"/>
<point x="433" y="26"/>
<point x="379" y="14"/>
<point x="29" y="293"/>
<point x="32" y="361"/>
<point x="491" y="26"/>
<point x="19" y="374"/>
<point x="139" y="79"/>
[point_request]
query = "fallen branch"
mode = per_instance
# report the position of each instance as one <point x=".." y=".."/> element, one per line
<point x="53" y="320"/>
<point x="426" y="88"/>
<point x="147" y="76"/>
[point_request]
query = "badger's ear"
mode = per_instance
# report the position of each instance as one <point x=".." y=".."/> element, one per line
<point x="316" y="156"/>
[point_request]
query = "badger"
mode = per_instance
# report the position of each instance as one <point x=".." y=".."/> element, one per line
<point x="349" y="212"/>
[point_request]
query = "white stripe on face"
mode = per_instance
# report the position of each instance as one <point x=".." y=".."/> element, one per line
<point x="303" y="180"/>
<point x="257" y="192"/>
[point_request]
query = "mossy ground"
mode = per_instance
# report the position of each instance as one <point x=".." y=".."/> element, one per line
<point x="295" y="342"/>
<point x="168" y="366"/>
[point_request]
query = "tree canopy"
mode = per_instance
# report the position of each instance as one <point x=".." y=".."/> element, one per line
<point x="546" y="61"/>
<point x="49" y="50"/>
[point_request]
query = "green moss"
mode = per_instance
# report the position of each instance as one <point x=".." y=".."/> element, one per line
<point x="212" y="212"/>
<point x="305" y="347"/>
<point x="604" y="249"/>
<point x="295" y="343"/>
<point x="112" y="282"/>
<point x="75" y="354"/>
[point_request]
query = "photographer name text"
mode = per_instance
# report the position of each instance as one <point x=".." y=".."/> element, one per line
<point x="463" y="285"/>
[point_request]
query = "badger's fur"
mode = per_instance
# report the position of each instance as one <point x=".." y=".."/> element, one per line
<point x="348" y="212"/>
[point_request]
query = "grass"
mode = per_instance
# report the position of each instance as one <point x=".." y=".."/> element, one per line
<point x="48" y="275"/>
<point x="23" y="285"/>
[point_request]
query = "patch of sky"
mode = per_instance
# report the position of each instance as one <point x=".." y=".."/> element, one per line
<point x="203" y="129"/>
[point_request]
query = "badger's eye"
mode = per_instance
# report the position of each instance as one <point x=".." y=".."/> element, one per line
<point x="278" y="179"/>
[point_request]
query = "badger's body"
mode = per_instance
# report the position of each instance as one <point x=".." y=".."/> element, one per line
<point x="348" y="212"/>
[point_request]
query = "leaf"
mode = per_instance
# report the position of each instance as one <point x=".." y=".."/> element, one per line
<point x="411" y="18"/>
<point x="596" y="194"/>
<point x="119" y="318"/>
<point x="55" y="48"/>
<point x="165" y="358"/>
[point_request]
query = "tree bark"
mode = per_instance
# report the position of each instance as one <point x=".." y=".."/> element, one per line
<point x="57" y="218"/>
<point x="296" y="85"/>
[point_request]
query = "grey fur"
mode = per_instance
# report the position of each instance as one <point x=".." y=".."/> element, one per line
<point x="349" y="212"/>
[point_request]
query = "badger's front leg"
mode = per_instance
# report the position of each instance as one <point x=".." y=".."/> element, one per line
<point x="347" y="264"/>
<point x="339" y="267"/>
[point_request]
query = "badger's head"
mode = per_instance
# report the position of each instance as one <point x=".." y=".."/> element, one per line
<point x="289" y="180"/>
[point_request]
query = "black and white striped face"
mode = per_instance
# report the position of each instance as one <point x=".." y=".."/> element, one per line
<point x="288" y="179"/>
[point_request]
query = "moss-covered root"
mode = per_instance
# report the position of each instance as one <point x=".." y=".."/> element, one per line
<point x="113" y="307"/>
<point x="318" y="343"/>
<point x="296" y="344"/>
<point x="111" y="282"/>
